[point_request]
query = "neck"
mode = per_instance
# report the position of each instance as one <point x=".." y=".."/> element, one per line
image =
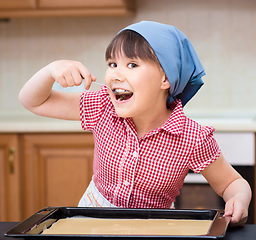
<point x="146" y="124"/>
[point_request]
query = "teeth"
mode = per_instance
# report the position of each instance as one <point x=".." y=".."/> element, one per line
<point x="117" y="90"/>
<point x="121" y="91"/>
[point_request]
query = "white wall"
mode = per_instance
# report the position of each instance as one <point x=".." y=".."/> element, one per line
<point x="223" y="33"/>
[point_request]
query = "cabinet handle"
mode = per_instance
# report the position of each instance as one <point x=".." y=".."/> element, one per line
<point x="11" y="159"/>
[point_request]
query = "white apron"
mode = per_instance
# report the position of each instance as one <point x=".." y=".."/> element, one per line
<point x="93" y="198"/>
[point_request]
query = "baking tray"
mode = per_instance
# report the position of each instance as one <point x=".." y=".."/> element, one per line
<point x="34" y="225"/>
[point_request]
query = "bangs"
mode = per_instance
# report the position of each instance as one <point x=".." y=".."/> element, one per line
<point x="132" y="45"/>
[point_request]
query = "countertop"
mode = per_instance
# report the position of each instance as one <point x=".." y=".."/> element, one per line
<point x="248" y="232"/>
<point x="21" y="125"/>
<point x="31" y="126"/>
<point x="12" y="122"/>
<point x="29" y="123"/>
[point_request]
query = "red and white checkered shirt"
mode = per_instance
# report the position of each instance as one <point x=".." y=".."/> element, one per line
<point x="146" y="172"/>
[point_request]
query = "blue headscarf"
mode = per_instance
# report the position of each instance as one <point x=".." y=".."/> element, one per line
<point x="176" y="56"/>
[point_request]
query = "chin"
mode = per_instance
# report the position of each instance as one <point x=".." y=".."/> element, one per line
<point x="122" y="113"/>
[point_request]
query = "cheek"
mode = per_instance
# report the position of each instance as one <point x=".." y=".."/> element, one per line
<point x="107" y="79"/>
<point x="144" y="94"/>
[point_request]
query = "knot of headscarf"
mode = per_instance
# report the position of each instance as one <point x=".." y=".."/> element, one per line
<point x="176" y="56"/>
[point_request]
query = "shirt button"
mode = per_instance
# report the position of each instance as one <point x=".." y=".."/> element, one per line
<point x="126" y="183"/>
<point x="135" y="154"/>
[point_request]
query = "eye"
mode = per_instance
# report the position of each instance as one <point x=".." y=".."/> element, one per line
<point x="112" y="64"/>
<point x="132" y="65"/>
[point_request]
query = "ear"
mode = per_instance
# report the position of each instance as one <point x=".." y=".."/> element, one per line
<point x="165" y="83"/>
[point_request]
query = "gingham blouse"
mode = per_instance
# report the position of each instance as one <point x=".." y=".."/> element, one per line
<point x="146" y="172"/>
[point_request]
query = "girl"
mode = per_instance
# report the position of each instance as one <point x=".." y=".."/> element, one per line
<point x="144" y="144"/>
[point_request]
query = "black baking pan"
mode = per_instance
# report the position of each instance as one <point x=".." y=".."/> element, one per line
<point x="32" y="227"/>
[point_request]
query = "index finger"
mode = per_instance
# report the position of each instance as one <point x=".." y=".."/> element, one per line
<point x="87" y="77"/>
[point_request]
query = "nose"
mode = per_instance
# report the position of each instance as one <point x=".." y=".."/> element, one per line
<point x="117" y="75"/>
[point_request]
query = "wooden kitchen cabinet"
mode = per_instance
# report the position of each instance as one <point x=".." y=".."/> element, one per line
<point x="17" y="4"/>
<point x="65" y="8"/>
<point x="44" y="170"/>
<point x="57" y="169"/>
<point x="10" y="192"/>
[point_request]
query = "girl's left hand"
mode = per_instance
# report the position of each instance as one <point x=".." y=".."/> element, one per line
<point x="237" y="211"/>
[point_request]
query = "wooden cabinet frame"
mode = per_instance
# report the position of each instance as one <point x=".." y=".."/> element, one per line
<point x="65" y="8"/>
<point x="10" y="187"/>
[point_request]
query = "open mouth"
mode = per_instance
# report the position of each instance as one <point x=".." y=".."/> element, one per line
<point x="121" y="94"/>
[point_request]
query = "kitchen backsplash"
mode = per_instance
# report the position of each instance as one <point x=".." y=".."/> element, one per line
<point x="223" y="33"/>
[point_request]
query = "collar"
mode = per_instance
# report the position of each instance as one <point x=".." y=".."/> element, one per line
<point x="176" y="121"/>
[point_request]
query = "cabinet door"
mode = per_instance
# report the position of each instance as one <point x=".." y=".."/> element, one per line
<point x="10" y="209"/>
<point x="57" y="169"/>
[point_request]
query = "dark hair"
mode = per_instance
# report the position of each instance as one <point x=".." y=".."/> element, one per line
<point x="132" y="45"/>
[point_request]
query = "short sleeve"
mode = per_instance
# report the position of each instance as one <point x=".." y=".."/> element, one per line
<point x="206" y="150"/>
<point x="91" y="108"/>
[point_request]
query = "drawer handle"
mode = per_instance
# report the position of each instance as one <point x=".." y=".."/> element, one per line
<point x="11" y="159"/>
